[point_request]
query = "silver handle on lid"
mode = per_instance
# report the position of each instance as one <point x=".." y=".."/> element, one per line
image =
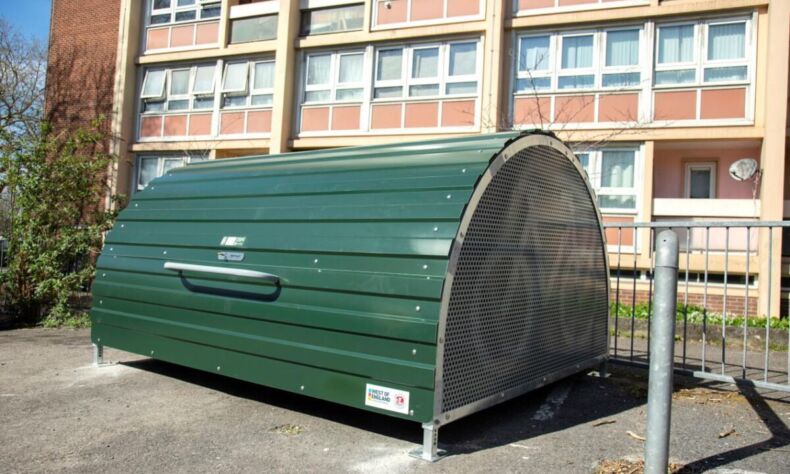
<point x="189" y="267"/>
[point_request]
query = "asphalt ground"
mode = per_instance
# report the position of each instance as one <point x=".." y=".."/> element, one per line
<point x="58" y="413"/>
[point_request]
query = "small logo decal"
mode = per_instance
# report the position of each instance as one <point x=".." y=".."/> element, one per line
<point x="232" y="241"/>
<point x="387" y="398"/>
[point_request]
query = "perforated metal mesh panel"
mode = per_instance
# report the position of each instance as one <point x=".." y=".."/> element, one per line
<point x="529" y="294"/>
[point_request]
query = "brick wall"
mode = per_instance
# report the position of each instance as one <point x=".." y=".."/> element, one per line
<point x="81" y="63"/>
<point x="715" y="303"/>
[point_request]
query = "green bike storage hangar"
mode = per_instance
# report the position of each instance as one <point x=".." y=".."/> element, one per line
<point x="425" y="280"/>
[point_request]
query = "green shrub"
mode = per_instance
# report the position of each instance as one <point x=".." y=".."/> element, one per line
<point x="697" y="315"/>
<point x="57" y="186"/>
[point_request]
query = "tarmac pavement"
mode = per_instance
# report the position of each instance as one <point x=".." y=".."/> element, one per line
<point x="57" y="413"/>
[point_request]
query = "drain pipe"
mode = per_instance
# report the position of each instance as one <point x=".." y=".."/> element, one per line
<point x="662" y="353"/>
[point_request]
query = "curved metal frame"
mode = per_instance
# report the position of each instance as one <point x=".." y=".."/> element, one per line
<point x="511" y="149"/>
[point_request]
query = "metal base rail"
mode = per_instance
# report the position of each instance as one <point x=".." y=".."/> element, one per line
<point x="777" y="387"/>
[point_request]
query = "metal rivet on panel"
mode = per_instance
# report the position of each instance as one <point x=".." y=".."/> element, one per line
<point x="152" y="188"/>
<point x="152" y="352"/>
<point x="98" y="339"/>
<point x="414" y="352"/>
<point x="164" y="252"/>
<point x="101" y="301"/>
<point x="417" y="308"/>
<point x="425" y="267"/>
<point x="411" y="412"/>
<point x="219" y="368"/>
<point x="463" y="170"/>
<point x="110" y="249"/>
<point x="315" y="261"/>
<point x="135" y="204"/>
<point x="103" y="275"/>
<point x="301" y="388"/>
<point x="449" y="196"/>
<point x="123" y="225"/>
<point x="436" y="229"/>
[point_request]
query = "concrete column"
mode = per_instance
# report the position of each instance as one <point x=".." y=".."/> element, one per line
<point x="285" y="75"/>
<point x="646" y="207"/>
<point x="772" y="159"/>
<point x="495" y="68"/>
<point x="130" y="27"/>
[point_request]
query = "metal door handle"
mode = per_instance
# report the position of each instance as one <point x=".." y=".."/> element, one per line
<point x="189" y="267"/>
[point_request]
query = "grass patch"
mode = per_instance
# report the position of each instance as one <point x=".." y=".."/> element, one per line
<point x="73" y="321"/>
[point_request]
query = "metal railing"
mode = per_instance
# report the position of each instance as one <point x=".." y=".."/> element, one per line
<point x="722" y="332"/>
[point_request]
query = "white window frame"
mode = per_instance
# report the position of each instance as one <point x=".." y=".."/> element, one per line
<point x="306" y="6"/>
<point x="718" y="63"/>
<point x="249" y="90"/>
<point x="167" y="97"/>
<point x="334" y="84"/>
<point x="442" y="78"/>
<point x="711" y="166"/>
<point x="597" y="70"/>
<point x="173" y="9"/>
<point x="186" y="158"/>
<point x="595" y="164"/>
<point x="162" y="88"/>
<point x="578" y="71"/>
<point x="700" y="58"/>
<point x="634" y="68"/>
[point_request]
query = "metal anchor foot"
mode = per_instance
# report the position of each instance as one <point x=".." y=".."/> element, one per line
<point x="98" y="355"/>
<point x="430" y="440"/>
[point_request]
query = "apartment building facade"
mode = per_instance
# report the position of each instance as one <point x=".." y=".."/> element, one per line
<point x="658" y="97"/>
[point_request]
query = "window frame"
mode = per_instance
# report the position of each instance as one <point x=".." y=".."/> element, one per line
<point x="442" y="78"/>
<point x="689" y="166"/>
<point x="174" y="9"/>
<point x="598" y="69"/>
<point x="594" y="171"/>
<point x="578" y="71"/>
<point x="700" y="63"/>
<point x="187" y="158"/>
<point x="166" y="97"/>
<point x="334" y="85"/>
<point x="309" y="9"/>
<point x="249" y="91"/>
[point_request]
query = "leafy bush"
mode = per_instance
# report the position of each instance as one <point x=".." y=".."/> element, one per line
<point x="697" y="315"/>
<point x="56" y="184"/>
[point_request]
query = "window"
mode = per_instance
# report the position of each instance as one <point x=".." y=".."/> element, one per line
<point x="613" y="175"/>
<point x="433" y="70"/>
<point x="621" y="67"/>
<point x="726" y="48"/>
<point x="722" y="58"/>
<point x="164" y="12"/>
<point x="336" y="76"/>
<point x="534" y="63"/>
<point x="182" y="89"/>
<point x="332" y="19"/>
<point x="248" y="84"/>
<point x="151" y="167"/>
<point x="602" y="59"/>
<point x="700" y="180"/>
<point x="256" y="28"/>
<point x="576" y="70"/>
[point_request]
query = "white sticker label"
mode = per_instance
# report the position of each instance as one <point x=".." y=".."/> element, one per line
<point x="233" y="241"/>
<point x="387" y="398"/>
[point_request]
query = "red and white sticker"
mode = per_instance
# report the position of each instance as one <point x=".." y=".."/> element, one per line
<point x="389" y="399"/>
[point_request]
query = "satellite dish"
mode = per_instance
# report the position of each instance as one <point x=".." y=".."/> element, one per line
<point x="743" y="169"/>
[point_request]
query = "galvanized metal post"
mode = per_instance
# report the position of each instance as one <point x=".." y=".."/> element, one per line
<point x="662" y="352"/>
<point x="430" y="444"/>
<point x="98" y="355"/>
